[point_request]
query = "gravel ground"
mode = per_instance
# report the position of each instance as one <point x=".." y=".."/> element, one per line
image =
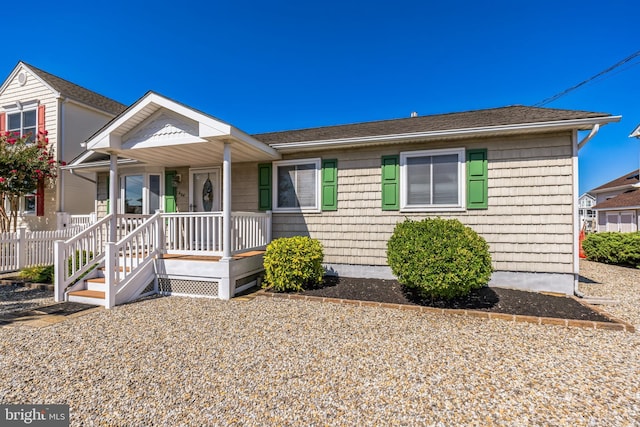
<point x="16" y="298"/>
<point x="619" y="283"/>
<point x="182" y="361"/>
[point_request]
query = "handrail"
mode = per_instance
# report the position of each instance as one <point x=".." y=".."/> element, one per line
<point x="134" y="250"/>
<point x="77" y="255"/>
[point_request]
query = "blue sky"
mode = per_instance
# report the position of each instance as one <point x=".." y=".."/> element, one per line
<point x="279" y="65"/>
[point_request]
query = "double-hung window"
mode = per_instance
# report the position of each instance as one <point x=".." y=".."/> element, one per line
<point x="23" y="122"/>
<point x="297" y="185"/>
<point x="432" y="180"/>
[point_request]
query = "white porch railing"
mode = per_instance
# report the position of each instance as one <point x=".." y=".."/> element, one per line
<point x="146" y="237"/>
<point x="201" y="232"/>
<point x="191" y="232"/>
<point x="250" y="230"/>
<point x="126" y="223"/>
<point x="83" y="221"/>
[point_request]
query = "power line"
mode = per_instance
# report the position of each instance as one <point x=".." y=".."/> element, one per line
<point x="601" y="73"/>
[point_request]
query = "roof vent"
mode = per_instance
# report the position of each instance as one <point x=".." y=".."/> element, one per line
<point x="22" y="78"/>
<point x="414" y="114"/>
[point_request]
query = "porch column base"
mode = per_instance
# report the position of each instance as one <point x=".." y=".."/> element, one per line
<point x="226" y="285"/>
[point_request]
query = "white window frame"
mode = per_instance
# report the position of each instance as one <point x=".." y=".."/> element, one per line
<point x="404" y="186"/>
<point x="21" y="108"/>
<point x="317" y="164"/>
<point x="145" y="191"/>
<point x="23" y="204"/>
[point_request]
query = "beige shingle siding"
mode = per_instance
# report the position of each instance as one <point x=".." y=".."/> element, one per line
<point x="528" y="225"/>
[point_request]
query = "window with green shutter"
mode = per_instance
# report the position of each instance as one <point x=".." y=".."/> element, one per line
<point x="330" y="185"/>
<point x="264" y="186"/>
<point x="390" y="183"/>
<point x="477" y="179"/>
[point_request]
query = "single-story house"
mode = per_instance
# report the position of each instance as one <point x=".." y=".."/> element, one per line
<point x="618" y="203"/>
<point x="509" y="173"/>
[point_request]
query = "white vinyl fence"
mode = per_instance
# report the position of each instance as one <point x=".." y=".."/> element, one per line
<point x="24" y="248"/>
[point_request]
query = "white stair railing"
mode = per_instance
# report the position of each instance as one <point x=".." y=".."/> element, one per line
<point x="124" y="259"/>
<point x="76" y="256"/>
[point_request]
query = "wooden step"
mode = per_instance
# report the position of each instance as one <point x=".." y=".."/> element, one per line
<point x="88" y="294"/>
<point x="96" y="280"/>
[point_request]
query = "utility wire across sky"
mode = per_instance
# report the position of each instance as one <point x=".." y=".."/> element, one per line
<point x="590" y="79"/>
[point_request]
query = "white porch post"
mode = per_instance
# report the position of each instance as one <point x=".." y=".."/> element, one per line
<point x="113" y="196"/>
<point x="226" y="202"/>
<point x="226" y="286"/>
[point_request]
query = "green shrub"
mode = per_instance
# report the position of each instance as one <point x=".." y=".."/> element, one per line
<point x="439" y="258"/>
<point x="293" y="263"/>
<point x="613" y="248"/>
<point x="81" y="261"/>
<point x="38" y="274"/>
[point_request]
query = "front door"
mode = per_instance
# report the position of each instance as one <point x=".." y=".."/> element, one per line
<point x="205" y="190"/>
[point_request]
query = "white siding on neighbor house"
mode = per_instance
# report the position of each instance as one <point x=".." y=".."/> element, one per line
<point x="79" y="124"/>
<point x="34" y="90"/>
<point x="528" y="224"/>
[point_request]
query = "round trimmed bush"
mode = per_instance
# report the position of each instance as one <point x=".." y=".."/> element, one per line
<point x="293" y="263"/>
<point x="439" y="258"/>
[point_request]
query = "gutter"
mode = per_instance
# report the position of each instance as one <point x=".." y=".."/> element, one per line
<point x="462" y="132"/>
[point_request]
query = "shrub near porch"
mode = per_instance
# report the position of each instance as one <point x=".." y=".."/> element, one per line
<point x="439" y="258"/>
<point x="293" y="263"/>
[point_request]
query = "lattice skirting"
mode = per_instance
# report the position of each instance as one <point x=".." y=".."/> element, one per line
<point x="149" y="289"/>
<point x="167" y="285"/>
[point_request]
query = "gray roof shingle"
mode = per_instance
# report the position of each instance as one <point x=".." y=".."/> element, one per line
<point x="630" y="198"/>
<point x="511" y="115"/>
<point x="78" y="93"/>
<point x="625" y="180"/>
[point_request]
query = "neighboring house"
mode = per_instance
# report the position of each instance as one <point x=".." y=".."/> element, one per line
<point x="509" y="173"/>
<point x="31" y="100"/>
<point x="618" y="204"/>
<point x="586" y="213"/>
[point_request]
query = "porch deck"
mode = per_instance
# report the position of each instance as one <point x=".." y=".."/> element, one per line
<point x="210" y="258"/>
<point x="168" y="254"/>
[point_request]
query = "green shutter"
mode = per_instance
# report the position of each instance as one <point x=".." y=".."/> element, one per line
<point x="264" y="186"/>
<point x="390" y="183"/>
<point x="169" y="192"/>
<point x="330" y="185"/>
<point x="477" y="182"/>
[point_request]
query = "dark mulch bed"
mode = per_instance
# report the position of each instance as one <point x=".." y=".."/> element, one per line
<point x="496" y="300"/>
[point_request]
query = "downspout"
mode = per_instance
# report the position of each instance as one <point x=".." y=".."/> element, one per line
<point x="60" y="155"/>
<point x="576" y="223"/>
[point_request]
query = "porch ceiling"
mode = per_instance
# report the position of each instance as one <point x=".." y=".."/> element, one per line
<point x="159" y="131"/>
<point x="193" y="154"/>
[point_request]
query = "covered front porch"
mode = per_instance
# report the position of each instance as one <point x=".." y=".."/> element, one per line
<point x="147" y="240"/>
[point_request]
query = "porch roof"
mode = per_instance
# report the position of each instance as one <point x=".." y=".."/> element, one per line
<point x="156" y="130"/>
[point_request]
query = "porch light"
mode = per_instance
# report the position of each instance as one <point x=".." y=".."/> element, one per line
<point x="177" y="179"/>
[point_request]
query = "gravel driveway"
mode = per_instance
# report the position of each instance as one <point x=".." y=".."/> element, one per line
<point x="181" y="361"/>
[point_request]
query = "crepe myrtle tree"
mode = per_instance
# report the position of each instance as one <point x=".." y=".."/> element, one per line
<point x="27" y="164"/>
